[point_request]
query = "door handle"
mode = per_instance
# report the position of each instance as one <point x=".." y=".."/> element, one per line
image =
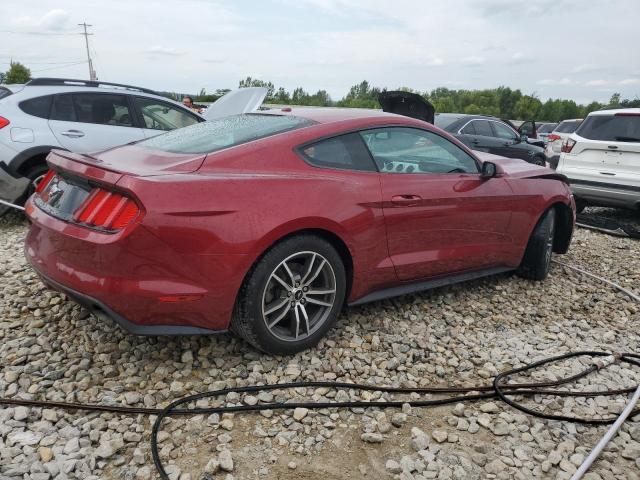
<point x="475" y="141"/>
<point x="612" y="147"/>
<point x="406" y="200"/>
<point x="73" y="134"/>
<point x="608" y="173"/>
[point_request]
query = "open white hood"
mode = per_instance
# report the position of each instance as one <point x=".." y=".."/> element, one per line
<point x="236" y="102"/>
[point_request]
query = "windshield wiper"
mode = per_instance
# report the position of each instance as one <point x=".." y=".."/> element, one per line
<point x="627" y="139"/>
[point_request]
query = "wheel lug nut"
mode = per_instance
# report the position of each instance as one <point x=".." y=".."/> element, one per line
<point x="305" y="289"/>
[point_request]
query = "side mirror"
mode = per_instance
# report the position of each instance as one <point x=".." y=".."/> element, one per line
<point x="523" y="137"/>
<point x="489" y="170"/>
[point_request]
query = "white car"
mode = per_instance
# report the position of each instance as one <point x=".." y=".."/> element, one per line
<point x="602" y="159"/>
<point x="84" y="117"/>
<point x="556" y="138"/>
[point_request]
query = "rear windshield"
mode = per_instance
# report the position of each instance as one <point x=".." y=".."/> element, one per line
<point x="611" y="128"/>
<point x="211" y="136"/>
<point x="547" y="128"/>
<point x="4" y="92"/>
<point x="568" y="127"/>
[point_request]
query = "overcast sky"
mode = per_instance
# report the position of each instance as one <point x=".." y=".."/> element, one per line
<point x="584" y="50"/>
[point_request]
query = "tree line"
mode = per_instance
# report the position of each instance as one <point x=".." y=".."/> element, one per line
<point x="502" y="102"/>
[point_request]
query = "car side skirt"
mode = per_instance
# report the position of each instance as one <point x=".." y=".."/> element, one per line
<point x="428" y="284"/>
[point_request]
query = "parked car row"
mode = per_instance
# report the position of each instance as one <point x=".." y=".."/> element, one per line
<point x="601" y="158"/>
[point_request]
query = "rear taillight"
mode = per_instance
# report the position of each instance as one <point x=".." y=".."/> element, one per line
<point x="106" y="210"/>
<point x="568" y="145"/>
<point x="4" y="122"/>
<point x="45" y="181"/>
<point x="553" y="137"/>
<point x="619" y="114"/>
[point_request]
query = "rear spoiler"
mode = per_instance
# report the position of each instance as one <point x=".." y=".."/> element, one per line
<point x="78" y="164"/>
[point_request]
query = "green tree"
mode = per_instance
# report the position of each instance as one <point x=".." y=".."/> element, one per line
<point x="615" y="100"/>
<point x="2" y="77"/>
<point x="254" y="82"/>
<point x="17" y="73"/>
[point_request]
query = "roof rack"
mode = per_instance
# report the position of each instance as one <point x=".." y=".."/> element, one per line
<point x="70" y="82"/>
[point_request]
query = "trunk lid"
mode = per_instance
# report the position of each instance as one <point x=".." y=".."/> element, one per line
<point x="407" y="104"/>
<point x="236" y="102"/>
<point x="131" y="160"/>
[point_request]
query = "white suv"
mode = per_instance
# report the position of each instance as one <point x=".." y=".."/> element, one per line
<point x="76" y="115"/>
<point x="602" y="159"/>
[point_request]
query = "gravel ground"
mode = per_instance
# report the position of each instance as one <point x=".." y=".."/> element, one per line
<point x="461" y="335"/>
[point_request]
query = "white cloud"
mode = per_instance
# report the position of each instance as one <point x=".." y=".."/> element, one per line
<point x="53" y="20"/>
<point x="474" y="60"/>
<point x="162" y="50"/>
<point x="597" y="83"/>
<point x="630" y="81"/>
<point x="586" y="68"/>
<point x="550" y="81"/>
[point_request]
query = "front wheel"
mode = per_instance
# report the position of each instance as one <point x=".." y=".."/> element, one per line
<point x="292" y="296"/>
<point x="537" y="257"/>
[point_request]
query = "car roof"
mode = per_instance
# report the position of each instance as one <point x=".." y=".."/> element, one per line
<point x="613" y="111"/>
<point x="331" y="114"/>
<point x="571" y="120"/>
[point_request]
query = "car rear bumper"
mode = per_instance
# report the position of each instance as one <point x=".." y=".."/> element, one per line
<point x="138" y="281"/>
<point x="606" y="194"/>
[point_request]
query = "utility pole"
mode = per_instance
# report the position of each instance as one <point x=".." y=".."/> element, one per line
<point x="92" y="72"/>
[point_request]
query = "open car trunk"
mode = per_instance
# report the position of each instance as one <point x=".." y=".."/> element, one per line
<point x="407" y="104"/>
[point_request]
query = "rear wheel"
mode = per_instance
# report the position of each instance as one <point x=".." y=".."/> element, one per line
<point x="580" y="205"/>
<point x="539" y="161"/>
<point x="537" y="257"/>
<point x="292" y="296"/>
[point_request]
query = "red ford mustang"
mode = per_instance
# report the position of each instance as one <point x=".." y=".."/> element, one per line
<point x="268" y="223"/>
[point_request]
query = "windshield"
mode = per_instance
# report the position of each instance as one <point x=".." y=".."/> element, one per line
<point x="611" y="128"/>
<point x="211" y="136"/>
<point x="568" y="126"/>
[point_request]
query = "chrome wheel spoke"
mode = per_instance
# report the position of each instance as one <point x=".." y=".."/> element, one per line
<point x="321" y="292"/>
<point x="280" y="317"/>
<point x="290" y="273"/>
<point x="304" y="279"/>
<point x="320" y="302"/>
<point x="316" y="273"/>
<point x="297" y="325"/>
<point x="281" y="282"/>
<point x="306" y="317"/>
<point x="272" y="308"/>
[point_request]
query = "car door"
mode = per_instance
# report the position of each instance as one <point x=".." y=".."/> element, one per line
<point x="478" y="135"/>
<point x="92" y="121"/>
<point x="508" y="142"/>
<point x="441" y="217"/>
<point x="157" y="116"/>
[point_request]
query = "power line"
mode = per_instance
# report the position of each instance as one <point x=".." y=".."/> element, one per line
<point x="46" y="63"/>
<point x="39" y="33"/>
<point x="60" y="66"/>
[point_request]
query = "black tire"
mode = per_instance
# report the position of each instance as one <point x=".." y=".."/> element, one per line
<point x="537" y="257"/>
<point x="541" y="161"/>
<point x="248" y="320"/>
<point x="580" y="205"/>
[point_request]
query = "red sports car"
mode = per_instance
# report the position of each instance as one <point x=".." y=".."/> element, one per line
<point x="267" y="223"/>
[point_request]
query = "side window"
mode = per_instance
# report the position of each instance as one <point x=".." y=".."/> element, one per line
<point x="103" y="109"/>
<point x="63" y="108"/>
<point x="158" y="115"/>
<point x="410" y="150"/>
<point x="483" y="127"/>
<point x="38" y="107"/>
<point x="502" y="131"/>
<point x="469" y="129"/>
<point x="346" y="152"/>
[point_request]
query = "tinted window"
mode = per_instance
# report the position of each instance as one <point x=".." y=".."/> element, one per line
<point x="469" y="129"/>
<point x="409" y="150"/>
<point x="502" y="131"/>
<point x="4" y="92"/>
<point x="346" y="152"/>
<point x="444" y="120"/>
<point x="102" y="109"/>
<point x="63" y="108"/>
<point x="483" y="127"/>
<point x="568" y="126"/>
<point x="547" y="128"/>
<point x="158" y="115"/>
<point x="526" y="128"/>
<point x="38" y="107"/>
<point x="613" y="128"/>
<point x="226" y="132"/>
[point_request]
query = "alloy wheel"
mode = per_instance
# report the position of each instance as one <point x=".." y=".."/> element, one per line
<point x="299" y="296"/>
